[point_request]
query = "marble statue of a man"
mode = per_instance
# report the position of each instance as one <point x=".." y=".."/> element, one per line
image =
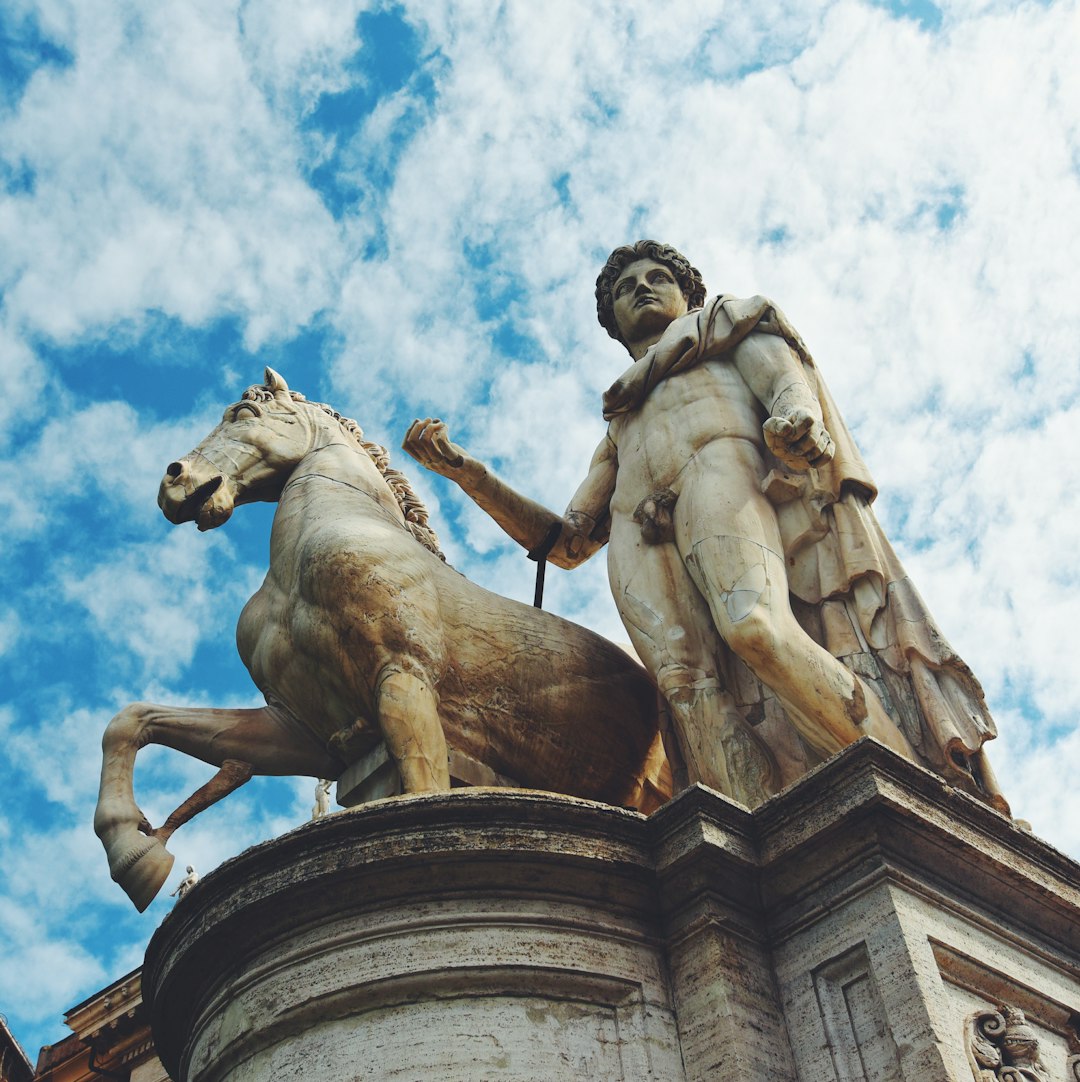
<point x="747" y="567"/>
<point x="321" y="807"/>
<point x="185" y="884"/>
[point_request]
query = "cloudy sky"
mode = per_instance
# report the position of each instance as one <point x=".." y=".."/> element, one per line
<point x="403" y="208"/>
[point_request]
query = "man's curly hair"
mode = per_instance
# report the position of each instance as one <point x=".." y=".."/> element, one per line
<point x="688" y="277"/>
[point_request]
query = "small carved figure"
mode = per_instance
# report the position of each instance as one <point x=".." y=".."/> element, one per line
<point x="322" y="798"/>
<point x="749" y="571"/>
<point x="361" y="635"/>
<point x="186" y="883"/>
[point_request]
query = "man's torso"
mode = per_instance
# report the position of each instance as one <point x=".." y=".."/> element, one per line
<point x="702" y="415"/>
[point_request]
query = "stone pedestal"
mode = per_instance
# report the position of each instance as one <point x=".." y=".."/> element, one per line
<point x="855" y="927"/>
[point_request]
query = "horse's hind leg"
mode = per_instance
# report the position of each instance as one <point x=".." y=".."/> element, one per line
<point x="240" y="742"/>
<point x="409" y="720"/>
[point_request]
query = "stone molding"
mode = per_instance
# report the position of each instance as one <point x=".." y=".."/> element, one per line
<point x="846" y="921"/>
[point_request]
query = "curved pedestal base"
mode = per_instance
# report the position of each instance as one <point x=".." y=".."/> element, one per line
<point x="494" y="934"/>
<point x="851" y="927"/>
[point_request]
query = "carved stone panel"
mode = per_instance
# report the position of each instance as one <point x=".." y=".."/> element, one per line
<point x="1015" y="1028"/>
<point x="855" y="1021"/>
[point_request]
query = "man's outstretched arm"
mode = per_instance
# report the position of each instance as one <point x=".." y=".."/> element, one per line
<point x="583" y="527"/>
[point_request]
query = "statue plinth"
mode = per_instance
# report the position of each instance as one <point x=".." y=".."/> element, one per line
<point x="850" y="928"/>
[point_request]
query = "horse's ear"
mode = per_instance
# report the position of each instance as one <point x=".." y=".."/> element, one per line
<point x="275" y="383"/>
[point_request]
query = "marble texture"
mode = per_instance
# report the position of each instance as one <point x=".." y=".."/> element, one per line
<point x="849" y="929"/>
<point x="748" y="568"/>
<point x="362" y="637"/>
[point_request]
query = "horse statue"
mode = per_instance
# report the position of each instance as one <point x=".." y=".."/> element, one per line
<point x="362" y="634"/>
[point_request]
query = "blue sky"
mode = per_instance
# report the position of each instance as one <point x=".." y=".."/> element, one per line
<point x="403" y="209"/>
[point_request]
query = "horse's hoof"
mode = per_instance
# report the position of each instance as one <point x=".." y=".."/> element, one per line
<point x="142" y="871"/>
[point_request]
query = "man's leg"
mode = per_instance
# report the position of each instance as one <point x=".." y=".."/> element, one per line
<point x="727" y="535"/>
<point x="671" y="629"/>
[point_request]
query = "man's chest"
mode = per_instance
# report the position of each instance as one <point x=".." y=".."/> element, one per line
<point x="708" y="401"/>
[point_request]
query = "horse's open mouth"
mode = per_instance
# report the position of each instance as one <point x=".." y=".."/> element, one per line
<point x="193" y="504"/>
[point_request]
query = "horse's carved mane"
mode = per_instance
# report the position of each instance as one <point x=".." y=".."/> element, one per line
<point x="412" y="507"/>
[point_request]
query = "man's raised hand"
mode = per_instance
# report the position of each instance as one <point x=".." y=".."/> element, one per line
<point x="428" y="441"/>
<point x="799" y="440"/>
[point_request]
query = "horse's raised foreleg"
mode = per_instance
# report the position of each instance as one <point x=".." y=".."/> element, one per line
<point x="409" y="720"/>
<point x="232" y="774"/>
<point x="239" y="742"/>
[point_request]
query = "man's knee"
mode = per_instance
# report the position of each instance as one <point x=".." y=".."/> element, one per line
<point x="756" y="639"/>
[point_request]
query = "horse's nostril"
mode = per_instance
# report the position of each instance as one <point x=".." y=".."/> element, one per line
<point x="174" y="470"/>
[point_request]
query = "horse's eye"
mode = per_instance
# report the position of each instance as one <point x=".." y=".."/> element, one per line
<point x="244" y="407"/>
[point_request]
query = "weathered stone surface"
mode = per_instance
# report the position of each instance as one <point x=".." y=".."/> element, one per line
<point x="481" y="934"/>
<point x="364" y="642"/>
<point x="745" y="560"/>
<point x="873" y="877"/>
<point x="849" y="929"/>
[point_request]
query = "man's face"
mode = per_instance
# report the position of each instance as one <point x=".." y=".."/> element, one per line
<point x="645" y="299"/>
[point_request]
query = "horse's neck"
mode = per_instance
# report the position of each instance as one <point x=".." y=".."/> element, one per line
<point x="341" y="478"/>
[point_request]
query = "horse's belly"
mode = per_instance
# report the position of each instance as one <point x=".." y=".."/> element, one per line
<point x="542" y="700"/>
<point x="536" y="698"/>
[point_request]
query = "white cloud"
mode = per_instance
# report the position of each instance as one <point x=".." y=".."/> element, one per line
<point x="298" y="53"/>
<point x="1030" y="769"/>
<point x="22" y="375"/>
<point x="68" y="774"/>
<point x="61" y="966"/>
<point x="192" y="204"/>
<point x="998" y="563"/>
<point x="157" y="600"/>
<point x="102" y="449"/>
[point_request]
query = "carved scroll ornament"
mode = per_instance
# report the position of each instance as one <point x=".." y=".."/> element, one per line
<point x="1003" y="1047"/>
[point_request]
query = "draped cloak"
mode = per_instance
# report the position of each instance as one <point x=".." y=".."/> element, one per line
<point x="848" y="589"/>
